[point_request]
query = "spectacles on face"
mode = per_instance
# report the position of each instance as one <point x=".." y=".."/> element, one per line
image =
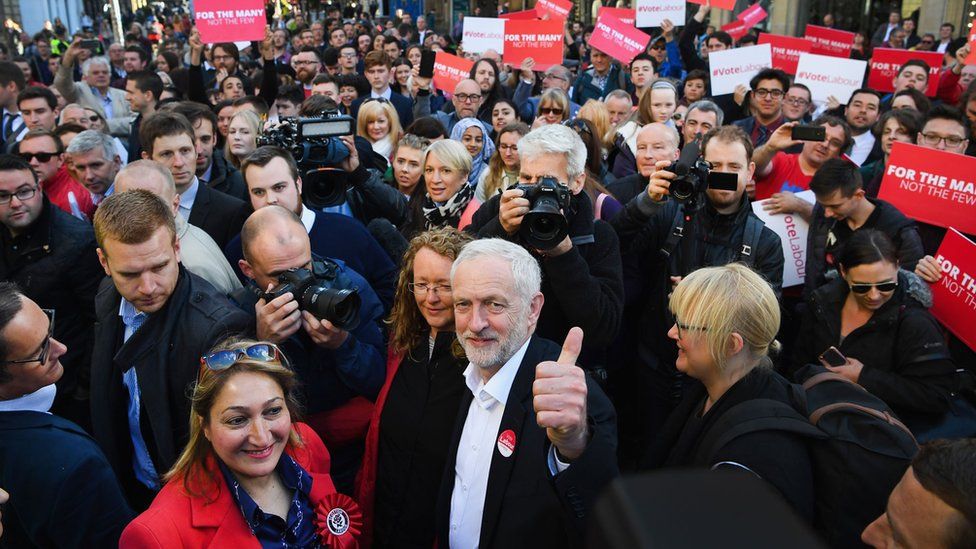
<point x="552" y="76"/>
<point x="45" y="345"/>
<point x="688" y="328"/>
<point x="468" y="98"/>
<point x="762" y="93"/>
<point x="349" y="55"/>
<point x="504" y="148"/>
<point x="883" y="287"/>
<point x="261" y="352"/>
<point x="932" y="140"/>
<point x="42" y="157"/>
<point x="22" y="194"/>
<point x="421" y="289"/>
<point x="550" y="110"/>
<point x="797" y="101"/>
<point x="304" y="63"/>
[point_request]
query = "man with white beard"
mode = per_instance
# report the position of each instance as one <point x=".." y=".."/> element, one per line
<point x="536" y="438"/>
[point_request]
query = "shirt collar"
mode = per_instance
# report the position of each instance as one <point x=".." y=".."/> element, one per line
<point x="208" y="175"/>
<point x="38" y="401"/>
<point x="128" y="312"/>
<point x="386" y="94"/>
<point x="308" y="218"/>
<point x="500" y="384"/>
<point x="190" y="194"/>
<point x="295" y="479"/>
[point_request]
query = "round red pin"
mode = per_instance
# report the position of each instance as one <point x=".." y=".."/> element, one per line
<point x="506" y="443"/>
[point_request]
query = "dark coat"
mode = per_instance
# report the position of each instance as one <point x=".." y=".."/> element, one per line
<point x="227" y="179"/>
<point x="582" y="287"/>
<point x="584" y="89"/>
<point x="902" y="347"/>
<point x="370" y="198"/>
<point x="62" y="491"/>
<point x="55" y="264"/>
<point x="525" y="506"/>
<point x="220" y="215"/>
<point x="166" y="353"/>
<point x="403" y="106"/>
<point x="885" y="218"/>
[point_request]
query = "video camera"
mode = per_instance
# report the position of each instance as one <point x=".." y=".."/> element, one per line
<point x="319" y="291"/>
<point x="694" y="175"/>
<point x="316" y="147"/>
<point x="545" y="226"/>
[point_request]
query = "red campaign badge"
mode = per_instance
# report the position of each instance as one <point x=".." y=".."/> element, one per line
<point x="339" y="521"/>
<point x="506" y="443"/>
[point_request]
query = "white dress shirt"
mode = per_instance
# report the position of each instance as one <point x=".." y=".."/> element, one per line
<point x="38" y="401"/>
<point x="387" y="94"/>
<point x="308" y="218"/>
<point x="476" y="448"/>
<point x="862" y="147"/>
<point x="187" y="198"/>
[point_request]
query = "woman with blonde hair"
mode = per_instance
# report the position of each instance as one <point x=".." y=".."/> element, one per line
<point x="242" y="136"/>
<point x="250" y="474"/>
<point x="553" y="108"/>
<point x="725" y="324"/>
<point x="596" y="112"/>
<point x="503" y="168"/>
<point x="409" y="435"/>
<point x="379" y="123"/>
<point x="449" y="200"/>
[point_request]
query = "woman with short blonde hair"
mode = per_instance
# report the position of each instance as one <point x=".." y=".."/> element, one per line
<point x="553" y="106"/>
<point x="449" y="200"/>
<point x="379" y="123"/>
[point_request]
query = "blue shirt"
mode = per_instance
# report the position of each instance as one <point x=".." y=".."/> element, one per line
<point x="298" y="530"/>
<point x="142" y="464"/>
<point x="187" y="198"/>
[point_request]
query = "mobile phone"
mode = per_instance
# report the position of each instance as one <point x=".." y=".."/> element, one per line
<point x="93" y="45"/>
<point x="833" y="357"/>
<point x="809" y="133"/>
<point x="427" y="63"/>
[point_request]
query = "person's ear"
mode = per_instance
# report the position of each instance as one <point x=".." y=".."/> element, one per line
<point x="735" y="344"/>
<point x="103" y="260"/>
<point x="246" y="268"/>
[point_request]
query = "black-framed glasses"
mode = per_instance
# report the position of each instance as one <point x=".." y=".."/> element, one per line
<point x="45" y="345"/>
<point x="465" y="98"/>
<point x="932" y="139"/>
<point x="21" y="194"/>
<point x="42" y="157"/>
<point x="798" y="101"/>
<point x="762" y="93"/>
<point x="261" y="352"/>
<point x="556" y="76"/>
<point x="688" y="328"/>
<point x="421" y="288"/>
<point x="883" y="287"/>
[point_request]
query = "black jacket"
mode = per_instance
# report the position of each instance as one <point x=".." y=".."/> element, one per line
<point x="906" y="362"/>
<point x="582" y="287"/>
<point x="166" y="353"/>
<point x="227" y="179"/>
<point x="885" y="218"/>
<point x="710" y="239"/>
<point x="778" y="457"/>
<point x="525" y="506"/>
<point x="55" y="264"/>
<point x="370" y="198"/>
<point x="220" y="215"/>
<point x="402" y="105"/>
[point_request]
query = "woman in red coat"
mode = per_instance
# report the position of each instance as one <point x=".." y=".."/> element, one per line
<point x="249" y="476"/>
<point x="410" y="432"/>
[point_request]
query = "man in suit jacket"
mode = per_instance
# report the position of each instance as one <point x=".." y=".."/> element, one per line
<point x="154" y="321"/>
<point x="378" y="70"/>
<point x="63" y="492"/>
<point x="167" y="137"/>
<point x="535" y="439"/>
<point x="96" y="92"/>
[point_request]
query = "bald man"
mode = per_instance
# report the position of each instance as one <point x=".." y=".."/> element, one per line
<point x="655" y="142"/>
<point x="198" y="252"/>
<point x="467" y="100"/>
<point x="341" y="370"/>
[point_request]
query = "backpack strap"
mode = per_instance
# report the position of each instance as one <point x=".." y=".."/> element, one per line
<point x="754" y="416"/>
<point x="750" y="240"/>
<point x="674" y="234"/>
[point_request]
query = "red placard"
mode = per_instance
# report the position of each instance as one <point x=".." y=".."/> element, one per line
<point x="626" y="15"/>
<point x="230" y="20"/>
<point x="786" y="50"/>
<point x="521" y="15"/>
<point x="931" y="186"/>
<point x="954" y="296"/>
<point x="540" y="40"/>
<point x="720" y="4"/>
<point x="555" y="9"/>
<point x="833" y="42"/>
<point x="449" y="70"/>
<point x="736" y="29"/>
<point x="885" y="63"/>
<point x="752" y="16"/>
<point x="971" y="58"/>
<point x="617" y="39"/>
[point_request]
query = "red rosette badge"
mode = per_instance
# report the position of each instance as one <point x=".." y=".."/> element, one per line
<point x="339" y="521"/>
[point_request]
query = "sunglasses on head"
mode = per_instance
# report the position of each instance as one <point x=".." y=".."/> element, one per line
<point x="41" y="157"/>
<point x="261" y="352"/>
<point x="884" y="287"/>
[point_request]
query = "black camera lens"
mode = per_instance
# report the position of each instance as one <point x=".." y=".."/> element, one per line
<point x="681" y="189"/>
<point x="340" y="307"/>
<point x="544" y="227"/>
<point x="324" y="187"/>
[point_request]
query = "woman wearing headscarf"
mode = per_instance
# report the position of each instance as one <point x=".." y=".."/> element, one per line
<point x="476" y="138"/>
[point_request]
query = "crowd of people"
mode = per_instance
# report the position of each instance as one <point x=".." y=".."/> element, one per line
<point x="456" y="322"/>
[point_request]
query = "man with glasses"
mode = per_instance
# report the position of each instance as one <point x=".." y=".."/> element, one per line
<point x="348" y="59"/>
<point x="155" y="320"/>
<point x="307" y="64"/>
<point x="556" y="76"/>
<point x="377" y="68"/>
<point x="51" y="256"/>
<point x="798" y="104"/>
<point x="64" y="491"/>
<point x="467" y="100"/>
<point x="768" y="88"/>
<point x="926" y="43"/>
<point x="44" y="152"/>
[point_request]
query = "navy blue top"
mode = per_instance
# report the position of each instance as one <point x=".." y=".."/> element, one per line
<point x="273" y="532"/>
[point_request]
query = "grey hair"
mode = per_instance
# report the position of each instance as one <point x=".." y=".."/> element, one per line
<point x="555" y="139"/>
<point x="99" y="60"/>
<point x="620" y="94"/>
<point x="90" y="140"/>
<point x="707" y="106"/>
<point x="526" y="273"/>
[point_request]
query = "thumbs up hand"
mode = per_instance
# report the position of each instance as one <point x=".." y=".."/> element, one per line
<point x="559" y="399"/>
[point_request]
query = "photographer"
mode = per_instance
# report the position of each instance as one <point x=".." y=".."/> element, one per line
<point x="717" y="228"/>
<point x="582" y="278"/>
<point x="341" y="370"/>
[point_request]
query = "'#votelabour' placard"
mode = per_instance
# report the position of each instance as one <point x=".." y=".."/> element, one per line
<point x="733" y="67"/>
<point x="792" y="231"/>
<point x="786" y="50"/>
<point x="482" y="34"/>
<point x="830" y="76"/>
<point x="650" y="13"/>
<point x="230" y="20"/>
<point x="540" y="40"/>
<point x="954" y="296"/>
<point x="931" y="186"/>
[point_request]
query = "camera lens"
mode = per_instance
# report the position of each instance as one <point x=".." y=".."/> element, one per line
<point x="340" y="307"/>
<point x="681" y="189"/>
<point x="544" y="226"/>
<point x="324" y="187"/>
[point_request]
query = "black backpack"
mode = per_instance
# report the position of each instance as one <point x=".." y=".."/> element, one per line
<point x="859" y="449"/>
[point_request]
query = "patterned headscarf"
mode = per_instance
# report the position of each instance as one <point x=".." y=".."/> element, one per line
<point x="479" y="162"/>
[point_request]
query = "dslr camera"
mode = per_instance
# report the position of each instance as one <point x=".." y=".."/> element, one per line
<point x="314" y="143"/>
<point x="321" y="292"/>
<point x="694" y="175"/>
<point x="545" y="226"/>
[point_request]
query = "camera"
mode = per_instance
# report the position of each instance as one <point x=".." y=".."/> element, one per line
<point x="314" y="143"/>
<point x="545" y="226"/>
<point x="693" y="175"/>
<point x="321" y="292"/>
